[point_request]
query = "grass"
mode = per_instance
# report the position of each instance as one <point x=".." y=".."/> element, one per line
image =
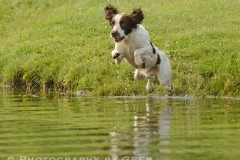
<point x="65" y="44"/>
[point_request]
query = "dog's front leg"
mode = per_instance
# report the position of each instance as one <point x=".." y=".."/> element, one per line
<point x="144" y="58"/>
<point x="117" y="56"/>
<point x="139" y="59"/>
<point x="138" y="75"/>
<point x="149" y="87"/>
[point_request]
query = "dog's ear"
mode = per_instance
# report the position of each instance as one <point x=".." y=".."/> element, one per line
<point x="110" y="12"/>
<point x="137" y="16"/>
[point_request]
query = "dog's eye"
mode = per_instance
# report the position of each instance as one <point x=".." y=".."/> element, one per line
<point x="123" y="24"/>
<point x="112" y="23"/>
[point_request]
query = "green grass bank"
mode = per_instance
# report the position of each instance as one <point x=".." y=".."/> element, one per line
<point x="66" y="44"/>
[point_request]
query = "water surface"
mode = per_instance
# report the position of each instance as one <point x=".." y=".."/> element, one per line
<point x="42" y="127"/>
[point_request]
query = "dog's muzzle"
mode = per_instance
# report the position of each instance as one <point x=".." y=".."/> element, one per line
<point x="116" y="36"/>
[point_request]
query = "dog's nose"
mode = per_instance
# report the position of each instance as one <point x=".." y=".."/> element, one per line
<point x="114" y="33"/>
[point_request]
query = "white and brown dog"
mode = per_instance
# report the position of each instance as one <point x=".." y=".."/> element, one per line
<point x="132" y="43"/>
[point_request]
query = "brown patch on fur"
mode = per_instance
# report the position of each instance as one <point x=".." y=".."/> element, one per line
<point x="129" y="22"/>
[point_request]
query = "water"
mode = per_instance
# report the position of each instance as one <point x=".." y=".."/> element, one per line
<point x="51" y="127"/>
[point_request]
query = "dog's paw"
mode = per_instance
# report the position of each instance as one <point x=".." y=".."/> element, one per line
<point x="169" y="88"/>
<point x="115" y="55"/>
<point x="149" y="89"/>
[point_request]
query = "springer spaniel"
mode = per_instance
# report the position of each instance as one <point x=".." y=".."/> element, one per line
<point x="132" y="43"/>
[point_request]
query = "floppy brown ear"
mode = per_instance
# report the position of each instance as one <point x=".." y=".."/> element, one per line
<point x="137" y="16"/>
<point x="110" y="12"/>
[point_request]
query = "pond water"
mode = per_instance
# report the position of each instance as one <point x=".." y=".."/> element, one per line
<point x="51" y="127"/>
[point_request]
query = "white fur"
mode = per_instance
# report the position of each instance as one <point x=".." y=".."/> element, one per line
<point x="137" y="50"/>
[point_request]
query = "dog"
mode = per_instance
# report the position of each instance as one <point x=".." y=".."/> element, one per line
<point x="132" y="42"/>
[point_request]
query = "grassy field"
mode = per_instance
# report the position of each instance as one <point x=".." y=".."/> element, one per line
<point x="65" y="44"/>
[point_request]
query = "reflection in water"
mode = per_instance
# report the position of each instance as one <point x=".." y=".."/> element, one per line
<point x="36" y="125"/>
<point x="164" y="128"/>
<point x="145" y="128"/>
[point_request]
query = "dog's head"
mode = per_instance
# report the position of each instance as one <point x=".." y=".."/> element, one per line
<point x="122" y="24"/>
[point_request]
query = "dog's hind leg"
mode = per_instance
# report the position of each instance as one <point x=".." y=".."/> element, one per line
<point x="164" y="74"/>
<point x="165" y="81"/>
